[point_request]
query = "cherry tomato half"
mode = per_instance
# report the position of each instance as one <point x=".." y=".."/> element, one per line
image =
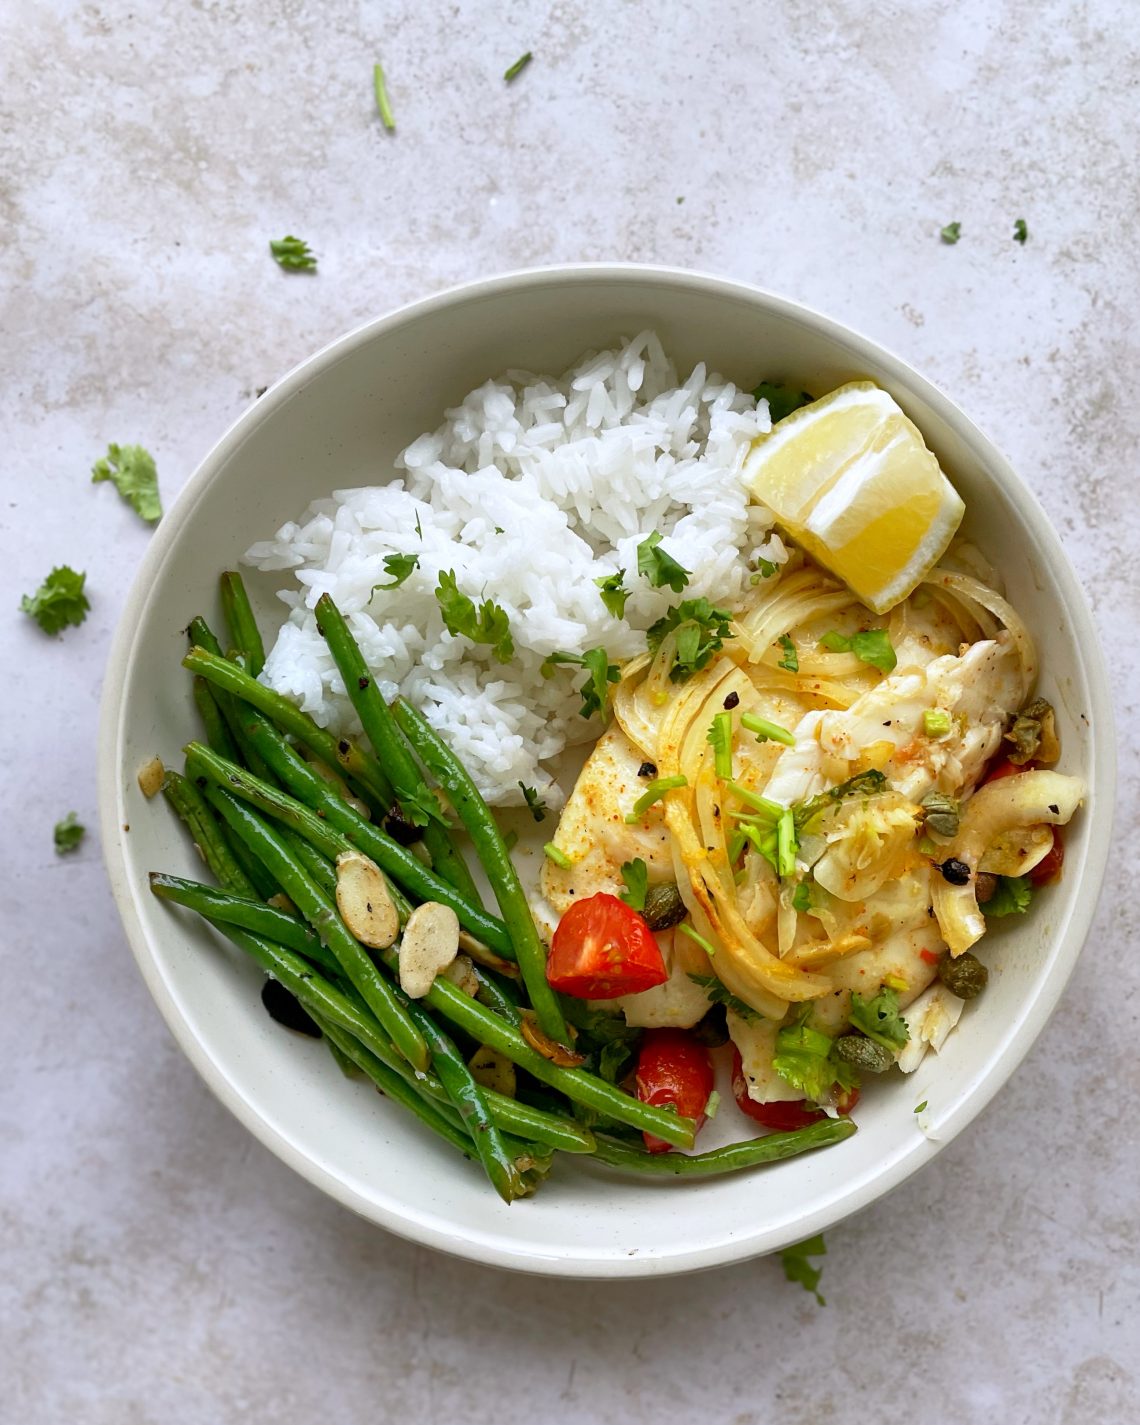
<point x="672" y="1068"/>
<point x="603" y="949"/>
<point x="782" y="1115"/>
<point x="1005" y="768"/>
<point x="1048" y="869"/>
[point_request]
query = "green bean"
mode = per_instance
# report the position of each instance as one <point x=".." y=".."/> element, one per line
<point x="318" y="909"/>
<point x="338" y="753"/>
<point x="467" y="1098"/>
<point x="496" y="860"/>
<point x="244" y="634"/>
<point x="728" y="1159"/>
<point x="217" y="733"/>
<point x="318" y="866"/>
<point x="416" y="799"/>
<point x="202" y="637"/>
<point x="489" y="1028"/>
<point x="247" y="913"/>
<point x="286" y="934"/>
<point x="325" y="812"/>
<point x="393" y="1086"/>
<point x="188" y="802"/>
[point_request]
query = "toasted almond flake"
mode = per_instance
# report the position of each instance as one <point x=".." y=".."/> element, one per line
<point x="493" y="1070"/>
<point x="428" y="946"/>
<point x="560" y="1054"/>
<point x="364" y="902"/>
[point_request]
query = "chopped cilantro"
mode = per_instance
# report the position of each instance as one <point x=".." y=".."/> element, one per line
<point x="863" y="784"/>
<point x="131" y="470"/>
<point x="489" y="624"/>
<point x="782" y="400"/>
<point x="797" y="1268"/>
<point x="791" y="659"/>
<point x="595" y="690"/>
<point x="68" y="834"/>
<point x="383" y="103"/>
<point x="535" y="804"/>
<point x="766" y="731"/>
<point x="786" y="844"/>
<point x="59" y="601"/>
<point x="801" y="900"/>
<point x="719" y="995"/>
<point x="921" y="1106"/>
<point x="652" y="794"/>
<point x="706" y="945"/>
<point x="1011" y="896"/>
<point x="872" y="646"/>
<point x="614" y="594"/>
<point x="635" y="874"/>
<point x="951" y="233"/>
<point x="293" y="255"/>
<point x="1020" y="231"/>
<point x="879" y="1018"/>
<point x="765" y="568"/>
<point x="701" y="630"/>
<point x="560" y="858"/>
<point x="519" y="65"/>
<point x="719" y="736"/>
<point x="399" y="567"/>
<point x="803" y="1059"/>
<point x="661" y="569"/>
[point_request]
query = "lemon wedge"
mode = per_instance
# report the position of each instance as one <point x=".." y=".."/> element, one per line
<point x="851" y="480"/>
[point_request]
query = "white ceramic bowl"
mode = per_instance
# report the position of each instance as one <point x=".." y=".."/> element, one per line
<point x="337" y="420"/>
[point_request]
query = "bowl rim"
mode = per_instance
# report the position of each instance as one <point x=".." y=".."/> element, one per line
<point x="1069" y="937"/>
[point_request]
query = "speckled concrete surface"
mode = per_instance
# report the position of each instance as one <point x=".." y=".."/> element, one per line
<point x="155" y="1263"/>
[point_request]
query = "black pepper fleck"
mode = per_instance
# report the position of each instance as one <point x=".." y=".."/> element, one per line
<point x="1055" y="809"/>
<point x="731" y="701"/>
<point x="342" y="747"/>
<point x="647" y="769"/>
<point x="362" y="683"/>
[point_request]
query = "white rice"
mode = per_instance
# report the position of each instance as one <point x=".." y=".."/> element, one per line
<point x="533" y="488"/>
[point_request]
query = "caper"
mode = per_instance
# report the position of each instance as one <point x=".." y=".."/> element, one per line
<point x="712" y="1030"/>
<point x="863" y="1053"/>
<point x="941" y="814"/>
<point x="964" y="976"/>
<point x="664" y="907"/>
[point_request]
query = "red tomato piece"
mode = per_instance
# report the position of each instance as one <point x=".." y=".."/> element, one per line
<point x="1006" y="768"/>
<point x="781" y="1116"/>
<point x="1048" y="869"/>
<point x="672" y="1068"/>
<point x="929" y="956"/>
<point x="603" y="949"/>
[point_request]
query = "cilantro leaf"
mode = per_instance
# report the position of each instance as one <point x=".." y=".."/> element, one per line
<point x="131" y="470"/>
<point x="519" y="65"/>
<point x="59" y="601"/>
<point x="951" y="233"/>
<point x="782" y="400"/>
<point x="594" y="691"/>
<point x="635" y="874"/>
<point x="719" y="995"/>
<point x="293" y="255"/>
<point x="719" y="737"/>
<point x="879" y="1018"/>
<point x="701" y="631"/>
<point x="872" y="645"/>
<point x="489" y="624"/>
<point x="791" y="659"/>
<point x="535" y="804"/>
<point x="803" y="1059"/>
<point x="399" y="567"/>
<point x="797" y="1268"/>
<point x="1011" y="896"/>
<point x="614" y="595"/>
<point x="68" y="834"/>
<point x="661" y="569"/>
<point x="765" y="568"/>
<point x="1020" y="231"/>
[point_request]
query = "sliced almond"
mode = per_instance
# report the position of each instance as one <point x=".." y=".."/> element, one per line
<point x="560" y="1054"/>
<point x="339" y="785"/>
<point x="151" y="776"/>
<point x="493" y="1070"/>
<point x="485" y="956"/>
<point x="282" y="902"/>
<point x="429" y="944"/>
<point x="364" y="902"/>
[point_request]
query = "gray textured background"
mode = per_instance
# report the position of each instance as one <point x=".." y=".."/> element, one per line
<point x="155" y="1263"/>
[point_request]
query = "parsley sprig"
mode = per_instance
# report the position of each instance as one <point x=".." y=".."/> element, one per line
<point x="660" y="568"/>
<point x="398" y="567"/>
<point x="595" y="690"/>
<point x="59" y="601"/>
<point x="292" y="254"/>
<point x="701" y="631"/>
<point x="131" y="470"/>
